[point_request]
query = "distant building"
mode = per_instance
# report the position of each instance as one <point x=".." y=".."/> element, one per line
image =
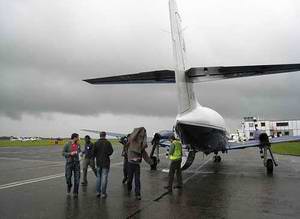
<point x="273" y="128"/>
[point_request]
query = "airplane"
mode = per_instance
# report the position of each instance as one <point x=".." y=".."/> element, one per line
<point x="13" y="138"/>
<point x="201" y="128"/>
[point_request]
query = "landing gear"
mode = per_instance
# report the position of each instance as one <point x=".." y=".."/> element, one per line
<point x="269" y="162"/>
<point x="265" y="147"/>
<point x="217" y="159"/>
<point x="269" y="166"/>
<point x="189" y="159"/>
<point x="155" y="148"/>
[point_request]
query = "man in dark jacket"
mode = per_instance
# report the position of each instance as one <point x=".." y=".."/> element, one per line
<point x="102" y="151"/>
<point x="71" y="152"/>
<point x="88" y="160"/>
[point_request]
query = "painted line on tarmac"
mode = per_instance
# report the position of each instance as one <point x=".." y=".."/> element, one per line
<point x="34" y="180"/>
<point x="31" y="160"/>
<point x="196" y="172"/>
<point x="138" y="211"/>
<point x="40" y="179"/>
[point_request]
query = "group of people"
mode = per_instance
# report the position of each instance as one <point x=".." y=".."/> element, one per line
<point x="134" y="146"/>
<point x="100" y="151"/>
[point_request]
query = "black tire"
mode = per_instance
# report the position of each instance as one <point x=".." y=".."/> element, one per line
<point x="269" y="166"/>
<point x="217" y="159"/>
<point x="189" y="160"/>
<point x="154" y="166"/>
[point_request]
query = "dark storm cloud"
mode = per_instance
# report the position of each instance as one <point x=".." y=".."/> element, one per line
<point x="47" y="48"/>
<point x="33" y="93"/>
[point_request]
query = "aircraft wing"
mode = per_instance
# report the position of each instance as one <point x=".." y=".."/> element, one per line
<point x="256" y="143"/>
<point x="165" y="143"/>
<point x="161" y="76"/>
<point x="200" y="74"/>
<point x="111" y="134"/>
<point x="203" y="74"/>
<point x="242" y="145"/>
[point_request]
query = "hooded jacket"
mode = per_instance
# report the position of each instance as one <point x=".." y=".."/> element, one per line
<point x="137" y="143"/>
<point x="102" y="151"/>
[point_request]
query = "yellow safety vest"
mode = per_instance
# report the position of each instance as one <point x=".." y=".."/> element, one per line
<point x="177" y="150"/>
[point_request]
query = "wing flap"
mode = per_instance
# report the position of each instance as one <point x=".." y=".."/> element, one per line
<point x="256" y="143"/>
<point x="203" y="74"/>
<point x="161" y="76"/>
<point x="284" y="139"/>
<point x="236" y="146"/>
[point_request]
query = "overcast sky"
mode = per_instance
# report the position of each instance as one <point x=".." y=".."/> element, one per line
<point x="48" y="47"/>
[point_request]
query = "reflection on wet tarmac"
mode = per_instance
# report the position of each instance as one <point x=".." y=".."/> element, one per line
<point x="236" y="188"/>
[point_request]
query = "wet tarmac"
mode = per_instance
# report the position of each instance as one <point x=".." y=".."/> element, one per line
<point x="32" y="185"/>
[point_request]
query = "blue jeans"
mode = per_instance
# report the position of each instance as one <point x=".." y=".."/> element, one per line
<point x="101" y="181"/>
<point x="72" y="167"/>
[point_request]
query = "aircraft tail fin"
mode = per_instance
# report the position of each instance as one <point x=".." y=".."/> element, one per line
<point x="183" y="77"/>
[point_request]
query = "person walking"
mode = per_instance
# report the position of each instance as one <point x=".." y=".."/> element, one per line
<point x="88" y="160"/>
<point x="175" y="155"/>
<point x="137" y="143"/>
<point x="124" y="142"/>
<point x="71" y="152"/>
<point x="102" y="152"/>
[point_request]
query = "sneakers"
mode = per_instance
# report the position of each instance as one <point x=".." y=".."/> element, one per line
<point x="84" y="183"/>
<point x="138" y="197"/>
<point x="178" y="187"/>
<point x="101" y="195"/>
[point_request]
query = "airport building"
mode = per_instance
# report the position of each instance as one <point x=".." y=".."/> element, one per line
<point x="273" y="128"/>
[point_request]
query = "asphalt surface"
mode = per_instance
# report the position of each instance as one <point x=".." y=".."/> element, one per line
<point x="32" y="185"/>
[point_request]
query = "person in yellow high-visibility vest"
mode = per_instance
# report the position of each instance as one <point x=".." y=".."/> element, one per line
<point x="175" y="155"/>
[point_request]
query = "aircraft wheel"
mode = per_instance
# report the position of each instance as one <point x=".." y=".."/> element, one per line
<point x="154" y="165"/>
<point x="269" y="166"/>
<point x="189" y="160"/>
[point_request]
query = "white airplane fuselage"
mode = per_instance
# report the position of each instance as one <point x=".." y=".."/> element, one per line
<point x="202" y="128"/>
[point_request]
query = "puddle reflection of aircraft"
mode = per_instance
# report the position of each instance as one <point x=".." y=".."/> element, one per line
<point x="201" y="128"/>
